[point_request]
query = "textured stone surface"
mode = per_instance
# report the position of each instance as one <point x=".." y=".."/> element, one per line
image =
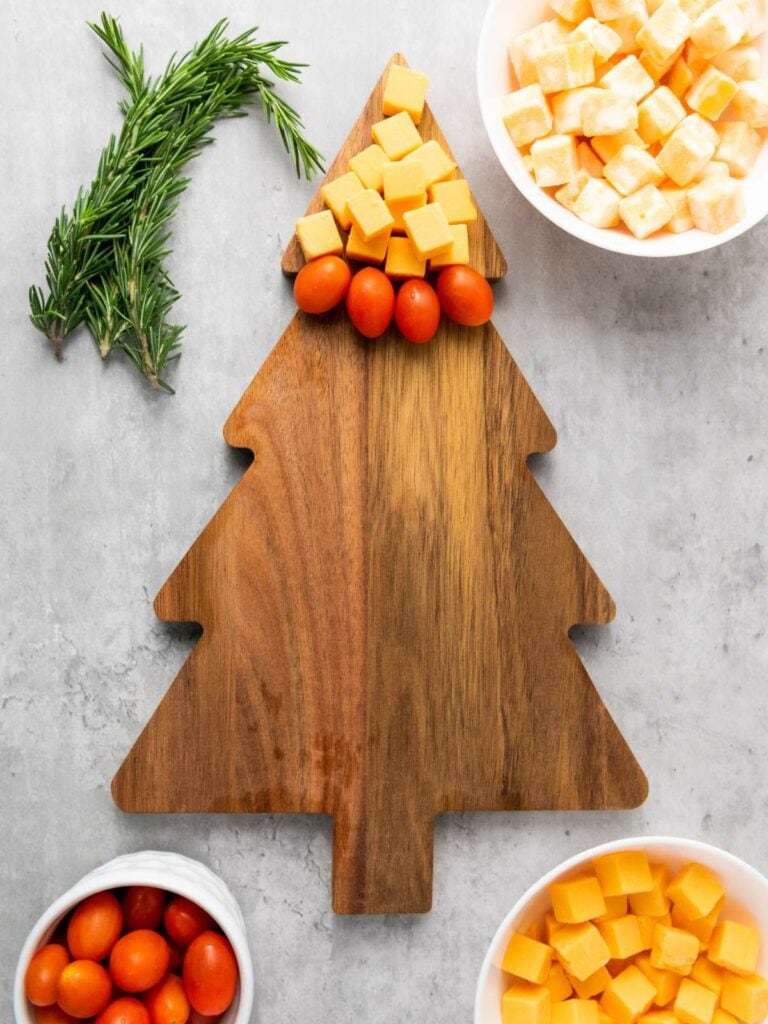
<point x="655" y="374"/>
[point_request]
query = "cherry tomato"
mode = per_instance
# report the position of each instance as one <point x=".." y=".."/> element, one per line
<point x="52" y="1015"/>
<point x="210" y="974"/>
<point x="417" y="310"/>
<point x="124" y="1010"/>
<point x="139" y="960"/>
<point x="321" y="284"/>
<point x="95" y="927"/>
<point x="43" y="974"/>
<point x="184" y="921"/>
<point x="371" y="302"/>
<point x="465" y="295"/>
<point x="84" y="989"/>
<point x="167" y="1002"/>
<point x="143" y="907"/>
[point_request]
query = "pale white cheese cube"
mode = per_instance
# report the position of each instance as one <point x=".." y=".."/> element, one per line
<point x="554" y="160"/>
<point x="608" y="113"/>
<point x="602" y="38"/>
<point x="598" y="204"/>
<point x="526" y="115"/>
<point x="566" y="109"/>
<point x="677" y="198"/>
<point x="751" y="103"/>
<point x="631" y="169"/>
<point x="629" y="78"/>
<point x="719" y="28"/>
<point x="645" y="212"/>
<point x="739" y="148"/>
<point x="716" y="204"/>
<point x="659" y="115"/>
<point x="664" y="32"/>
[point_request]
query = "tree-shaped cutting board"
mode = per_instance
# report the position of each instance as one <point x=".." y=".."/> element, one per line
<point x="385" y="600"/>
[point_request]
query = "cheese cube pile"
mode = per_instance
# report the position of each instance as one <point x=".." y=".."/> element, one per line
<point x="400" y="205"/>
<point x="629" y="942"/>
<point x="642" y="113"/>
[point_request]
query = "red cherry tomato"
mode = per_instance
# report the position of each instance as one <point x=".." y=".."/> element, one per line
<point x="95" y="927"/>
<point x="43" y="974"/>
<point x="52" y="1015"/>
<point x="143" y="907"/>
<point x="321" y="284"/>
<point x="465" y="295"/>
<point x="124" y="1010"/>
<point x="184" y="921"/>
<point x="210" y="974"/>
<point x="139" y="960"/>
<point x="417" y="310"/>
<point x="371" y="302"/>
<point x="84" y="989"/>
<point x="167" y="1002"/>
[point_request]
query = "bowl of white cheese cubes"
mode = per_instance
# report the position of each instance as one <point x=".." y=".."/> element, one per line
<point x="639" y="126"/>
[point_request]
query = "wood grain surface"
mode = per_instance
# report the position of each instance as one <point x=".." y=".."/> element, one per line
<point x="385" y="600"/>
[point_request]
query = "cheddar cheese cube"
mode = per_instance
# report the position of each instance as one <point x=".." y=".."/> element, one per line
<point x="694" y="1004"/>
<point x="658" y="1017"/>
<point x="622" y="934"/>
<point x="373" y="251"/>
<point x="711" y="93"/>
<point x="579" y="899"/>
<point x="428" y="230"/>
<point x="437" y="164"/>
<point x="632" y="169"/>
<point x="674" y="949"/>
<point x="658" y="116"/>
<point x="695" y="890"/>
<point x="701" y="927"/>
<point x="607" y="146"/>
<point x="593" y="165"/>
<point x="602" y="38"/>
<point x="608" y="113"/>
<point x="745" y="997"/>
<point x="404" y="90"/>
<point x="566" y="109"/>
<point x="615" y="906"/>
<point x="647" y="924"/>
<point x="404" y="180"/>
<point x="721" y="1016"/>
<point x="628" y="78"/>
<point x="680" y="78"/>
<point x="566" y="67"/>
<point x="336" y="193"/>
<point x="527" y="959"/>
<point x="751" y="103"/>
<point x="524" y="1003"/>
<point x="551" y="925"/>
<point x="402" y="259"/>
<point x="695" y="60"/>
<point x="735" y="946"/>
<point x="558" y="984"/>
<point x="664" y="32"/>
<point x="628" y="25"/>
<point x="318" y="235"/>
<point x="367" y="165"/>
<point x="593" y="985"/>
<point x="524" y="50"/>
<point x="396" y="135"/>
<point x="718" y="28"/>
<point x="645" y="211"/>
<point x="666" y="983"/>
<point x="740" y="63"/>
<point x="554" y="160"/>
<point x="455" y="199"/>
<point x="580" y="947"/>
<point x="739" y="147"/>
<point x="624" y="873"/>
<point x="457" y="253"/>
<point x="707" y="974"/>
<point x="628" y="996"/>
<point x="608" y="10"/>
<point x="654" y="903"/>
<point x="685" y="154"/>
<point x="369" y="214"/>
<point x="575" y="1011"/>
<point x="526" y="115"/>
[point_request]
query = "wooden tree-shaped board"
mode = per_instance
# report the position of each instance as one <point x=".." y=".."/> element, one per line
<point x="385" y="600"/>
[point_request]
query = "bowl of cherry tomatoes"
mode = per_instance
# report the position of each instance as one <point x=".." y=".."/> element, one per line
<point x="148" y="938"/>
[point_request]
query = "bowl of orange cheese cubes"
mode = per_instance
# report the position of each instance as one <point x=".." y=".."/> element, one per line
<point x="638" y="931"/>
<point x="636" y="125"/>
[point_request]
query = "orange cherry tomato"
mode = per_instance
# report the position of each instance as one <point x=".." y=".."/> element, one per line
<point x="43" y="974"/>
<point x="465" y="295"/>
<point x="210" y="974"/>
<point x="371" y="302"/>
<point x="321" y="284"/>
<point x="417" y="310"/>
<point x="184" y="921"/>
<point x="143" y="907"/>
<point x="84" y="989"/>
<point x="95" y="927"/>
<point x="139" y="960"/>
<point x="52" y="1015"/>
<point x="124" y="1010"/>
<point x="167" y="1002"/>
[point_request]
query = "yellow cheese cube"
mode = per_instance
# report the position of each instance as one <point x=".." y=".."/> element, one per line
<point x="403" y="181"/>
<point x="336" y="193"/>
<point x="628" y="25"/>
<point x="404" y="90"/>
<point x="551" y="924"/>
<point x="566" y="109"/>
<point x="428" y="230"/>
<point x="558" y="984"/>
<point x="701" y="927"/>
<point x="455" y="199"/>
<point x="318" y="235"/>
<point x="695" y="890"/>
<point x="696" y="60"/>
<point x="624" y="873"/>
<point x="566" y="67"/>
<point x="666" y="983"/>
<point x="528" y="959"/>
<point x="735" y="946"/>
<point x="629" y="78"/>
<point x="575" y="1011"/>
<point x="525" y="48"/>
<point x="680" y="78"/>
<point x="721" y="1016"/>
<point x="657" y="71"/>
<point x="526" y="115"/>
<point x="746" y="998"/>
<point x="367" y="165"/>
<point x="572" y="10"/>
<point x="647" y="924"/>
<point x="658" y="116"/>
<point x="718" y="28"/>
<point x="631" y="169"/>
<point x="608" y="10"/>
<point x="645" y="211"/>
<point x="685" y="154"/>
<point x="608" y="113"/>
<point x="593" y="985"/>
<point x="694" y="1004"/>
<point x="739" y="147"/>
<point x="579" y="899"/>
<point x="655" y="902"/>
<point x="740" y="63"/>
<point x="524" y="1003"/>
<point x="396" y="135"/>
<point x="711" y="93"/>
<point x="437" y="164"/>
<point x="554" y="160"/>
<point x="373" y="251"/>
<point x="681" y="216"/>
<point x="658" y="1017"/>
<point x="674" y="949"/>
<point x="714" y="169"/>
<point x="602" y="1016"/>
<point x="602" y="38"/>
<point x="598" y="205"/>
<point x="399" y="210"/>
<point x="535" y="930"/>
<point x="369" y="214"/>
<point x="457" y="253"/>
<point x="528" y="163"/>
<point x="580" y="947"/>
<point x="751" y="103"/>
<point x="402" y="259"/>
<point x="615" y="906"/>
<point x="607" y="146"/>
<point x="707" y="974"/>
<point x="628" y="996"/>
<point x="664" y="32"/>
<point x="622" y="934"/>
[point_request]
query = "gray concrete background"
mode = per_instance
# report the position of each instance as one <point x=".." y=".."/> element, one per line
<point x="655" y="374"/>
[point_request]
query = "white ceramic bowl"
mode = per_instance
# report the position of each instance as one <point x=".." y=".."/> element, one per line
<point x="506" y="19"/>
<point x="170" y="871"/>
<point x="746" y="899"/>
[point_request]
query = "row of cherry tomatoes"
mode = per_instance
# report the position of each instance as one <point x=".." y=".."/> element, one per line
<point x="460" y="292"/>
<point x="143" y="956"/>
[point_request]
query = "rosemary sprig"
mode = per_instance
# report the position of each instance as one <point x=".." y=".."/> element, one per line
<point x="106" y="258"/>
